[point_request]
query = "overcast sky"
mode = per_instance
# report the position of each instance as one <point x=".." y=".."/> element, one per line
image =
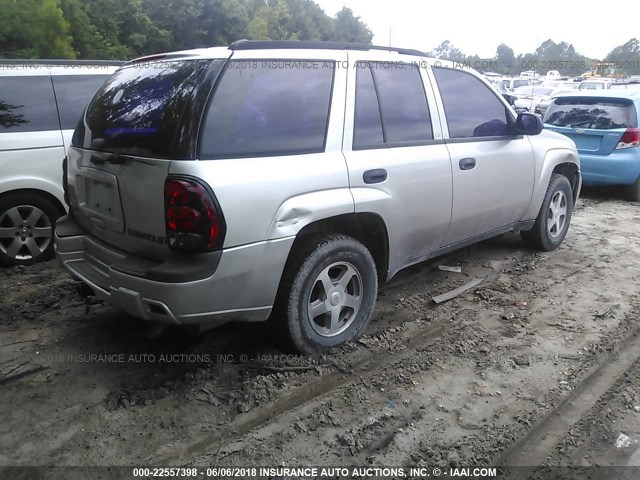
<point x="477" y="27"/>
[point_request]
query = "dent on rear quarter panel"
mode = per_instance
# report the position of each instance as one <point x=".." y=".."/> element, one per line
<point x="297" y="212"/>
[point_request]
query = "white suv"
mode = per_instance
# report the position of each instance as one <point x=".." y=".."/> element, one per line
<point x="40" y="105"/>
<point x="286" y="180"/>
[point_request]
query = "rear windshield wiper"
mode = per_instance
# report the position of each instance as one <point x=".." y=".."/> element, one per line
<point x="114" y="158"/>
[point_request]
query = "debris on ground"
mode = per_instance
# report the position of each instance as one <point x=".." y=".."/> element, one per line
<point x="446" y="268"/>
<point x="458" y="291"/>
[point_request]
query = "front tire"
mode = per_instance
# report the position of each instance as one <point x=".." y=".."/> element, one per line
<point x="553" y="221"/>
<point x="329" y="294"/>
<point x="26" y="228"/>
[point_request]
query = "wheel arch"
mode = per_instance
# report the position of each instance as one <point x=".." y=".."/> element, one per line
<point x="558" y="160"/>
<point x="366" y="227"/>
<point x="37" y="192"/>
<point x="572" y="172"/>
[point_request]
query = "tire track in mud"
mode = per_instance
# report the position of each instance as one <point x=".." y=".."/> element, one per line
<point x="362" y="368"/>
<point x="242" y="425"/>
<point x="532" y="449"/>
<point x="581" y="264"/>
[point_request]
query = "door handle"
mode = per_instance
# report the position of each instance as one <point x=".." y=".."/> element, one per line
<point x="378" y="175"/>
<point x="467" y="164"/>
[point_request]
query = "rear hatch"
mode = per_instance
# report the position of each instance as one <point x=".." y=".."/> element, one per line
<point x="595" y="124"/>
<point x="143" y="118"/>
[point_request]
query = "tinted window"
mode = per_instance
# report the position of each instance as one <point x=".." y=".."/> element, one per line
<point x="73" y="93"/>
<point x="139" y="110"/>
<point x="472" y="109"/>
<point x="391" y="106"/>
<point x="520" y="83"/>
<point x="405" y="114"/>
<point x="605" y="114"/>
<point x="591" y="86"/>
<point x="269" y="107"/>
<point x="367" y="130"/>
<point x="27" y="104"/>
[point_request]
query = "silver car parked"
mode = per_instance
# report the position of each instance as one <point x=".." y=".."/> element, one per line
<point x="287" y="180"/>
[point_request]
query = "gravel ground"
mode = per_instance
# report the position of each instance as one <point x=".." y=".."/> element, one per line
<point x="448" y="385"/>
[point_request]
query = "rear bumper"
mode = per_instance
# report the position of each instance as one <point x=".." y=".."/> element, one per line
<point x="242" y="285"/>
<point x="621" y="167"/>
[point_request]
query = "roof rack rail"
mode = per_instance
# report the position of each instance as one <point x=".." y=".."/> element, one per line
<point x="302" y="44"/>
<point x="58" y="61"/>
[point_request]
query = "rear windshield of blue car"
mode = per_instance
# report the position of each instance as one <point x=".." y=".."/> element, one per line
<point x="592" y="113"/>
<point x="140" y="109"/>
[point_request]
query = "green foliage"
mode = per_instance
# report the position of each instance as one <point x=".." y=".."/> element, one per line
<point x="447" y="51"/>
<point x="34" y="28"/>
<point x="123" y="29"/>
<point x="626" y="58"/>
<point x="505" y="59"/>
<point x="273" y="22"/>
<point x="349" y="28"/>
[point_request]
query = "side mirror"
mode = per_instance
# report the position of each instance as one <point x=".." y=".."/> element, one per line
<point x="528" y="124"/>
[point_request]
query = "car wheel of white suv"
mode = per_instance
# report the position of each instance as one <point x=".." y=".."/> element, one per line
<point x="26" y="228"/>
<point x="329" y="293"/>
<point x="554" y="218"/>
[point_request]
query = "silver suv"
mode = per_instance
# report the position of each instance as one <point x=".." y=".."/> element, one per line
<point x="286" y="180"/>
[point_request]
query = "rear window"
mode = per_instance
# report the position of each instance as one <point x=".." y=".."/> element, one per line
<point x="27" y="104"/>
<point x="595" y="113"/>
<point x="531" y="90"/>
<point x="73" y="93"/>
<point x="270" y="107"/>
<point x="591" y="86"/>
<point x="139" y="110"/>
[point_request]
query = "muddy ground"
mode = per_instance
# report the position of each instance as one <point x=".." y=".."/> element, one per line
<point x="447" y="385"/>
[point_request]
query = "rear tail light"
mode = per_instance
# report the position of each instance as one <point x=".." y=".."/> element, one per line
<point x="193" y="219"/>
<point x="630" y="138"/>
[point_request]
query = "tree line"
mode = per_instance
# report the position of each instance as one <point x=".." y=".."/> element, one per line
<point x="622" y="60"/>
<point x="123" y="29"/>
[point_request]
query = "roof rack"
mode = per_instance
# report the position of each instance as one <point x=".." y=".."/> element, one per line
<point x="58" y="61"/>
<point x="300" y="44"/>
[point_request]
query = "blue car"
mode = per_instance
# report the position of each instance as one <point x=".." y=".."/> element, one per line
<point x="604" y="127"/>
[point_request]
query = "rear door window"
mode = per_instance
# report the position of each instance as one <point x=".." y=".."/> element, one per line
<point x="268" y="107"/>
<point x="367" y="132"/>
<point x="472" y="109"/>
<point x="140" y="109"/>
<point x="390" y="102"/>
<point x="73" y="93"/>
<point x="592" y="113"/>
<point x="27" y="104"/>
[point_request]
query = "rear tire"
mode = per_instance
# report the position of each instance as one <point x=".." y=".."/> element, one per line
<point x="554" y="218"/>
<point x="328" y="294"/>
<point x="27" y="222"/>
<point x="633" y="192"/>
